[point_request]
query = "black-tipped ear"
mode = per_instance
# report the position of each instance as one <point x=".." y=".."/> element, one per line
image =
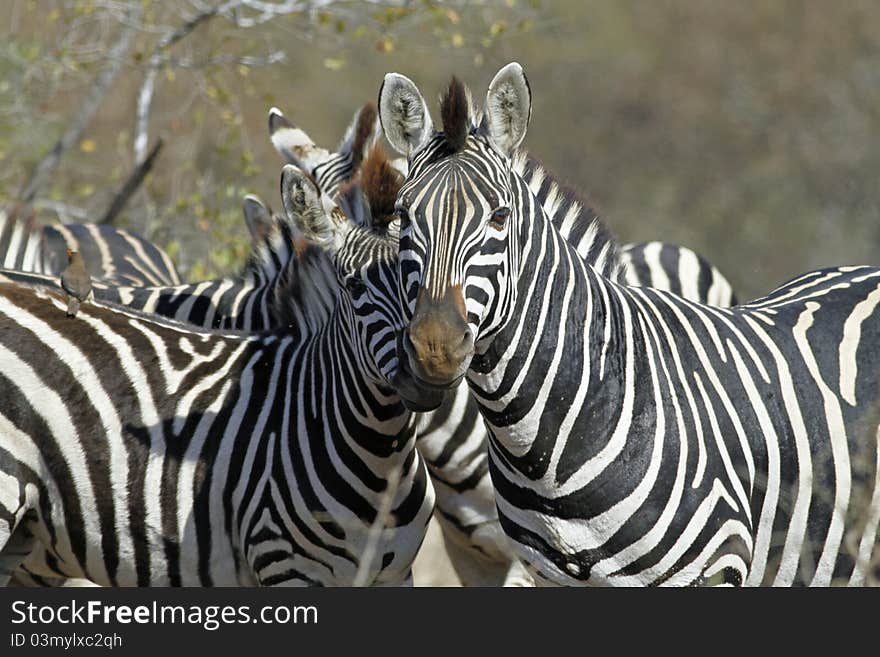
<point x="257" y="217"/>
<point x="293" y="144"/>
<point x="305" y="208"/>
<point x="403" y="114"/>
<point x="508" y="108"/>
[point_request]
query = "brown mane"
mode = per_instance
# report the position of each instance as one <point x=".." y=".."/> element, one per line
<point x="366" y="121"/>
<point x="380" y="182"/>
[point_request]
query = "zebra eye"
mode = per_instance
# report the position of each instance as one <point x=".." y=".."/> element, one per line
<point x="355" y="286"/>
<point x="499" y="218"/>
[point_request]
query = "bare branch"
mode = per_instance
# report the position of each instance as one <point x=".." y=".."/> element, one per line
<point x="134" y="180"/>
<point x="233" y="10"/>
<point x="145" y="95"/>
<point x="45" y="167"/>
<point x="247" y="60"/>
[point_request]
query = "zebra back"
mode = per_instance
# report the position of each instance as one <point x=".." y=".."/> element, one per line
<point x="676" y="269"/>
<point x="112" y="255"/>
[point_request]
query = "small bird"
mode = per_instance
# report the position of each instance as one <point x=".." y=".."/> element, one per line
<point x="76" y="282"/>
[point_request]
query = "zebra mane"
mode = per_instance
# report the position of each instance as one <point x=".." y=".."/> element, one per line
<point x="305" y="291"/>
<point x="573" y="217"/>
<point x="455" y="112"/>
<point x="270" y="254"/>
<point x="379" y="182"/>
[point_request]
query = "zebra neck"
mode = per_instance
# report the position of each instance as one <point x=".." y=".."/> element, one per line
<point x="350" y="456"/>
<point x="344" y="371"/>
<point x="557" y="360"/>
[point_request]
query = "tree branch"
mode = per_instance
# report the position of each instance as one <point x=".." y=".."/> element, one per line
<point x="45" y="167"/>
<point x="145" y="95"/>
<point x="134" y="180"/>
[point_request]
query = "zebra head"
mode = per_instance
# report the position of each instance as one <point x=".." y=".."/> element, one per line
<point x="458" y="213"/>
<point x="329" y="169"/>
<point x="366" y="268"/>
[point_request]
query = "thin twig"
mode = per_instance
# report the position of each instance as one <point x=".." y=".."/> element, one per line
<point x="246" y="60"/>
<point x="65" y="212"/>
<point x="377" y="528"/>
<point x="45" y="167"/>
<point x="134" y="180"/>
<point x="145" y="95"/>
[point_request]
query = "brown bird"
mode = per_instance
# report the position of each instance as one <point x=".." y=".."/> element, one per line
<point x="76" y="282"/>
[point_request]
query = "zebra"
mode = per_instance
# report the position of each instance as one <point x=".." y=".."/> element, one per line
<point x="162" y="454"/>
<point x="112" y="255"/>
<point x="636" y="437"/>
<point x="453" y="440"/>
<point x="267" y="294"/>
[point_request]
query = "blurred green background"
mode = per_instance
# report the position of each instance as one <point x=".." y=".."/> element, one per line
<point x="748" y="131"/>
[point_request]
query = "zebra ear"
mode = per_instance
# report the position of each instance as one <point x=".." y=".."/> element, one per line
<point x="508" y="108"/>
<point x="257" y="217"/>
<point x="320" y="220"/>
<point x="293" y="144"/>
<point x="361" y="134"/>
<point x="404" y="114"/>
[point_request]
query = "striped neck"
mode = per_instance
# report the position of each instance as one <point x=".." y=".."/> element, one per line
<point x="572" y="216"/>
<point x="562" y="344"/>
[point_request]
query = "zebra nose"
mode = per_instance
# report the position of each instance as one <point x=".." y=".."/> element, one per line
<point x="465" y="344"/>
<point x="439" y="347"/>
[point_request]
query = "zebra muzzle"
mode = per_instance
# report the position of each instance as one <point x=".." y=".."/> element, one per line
<point x="438" y="344"/>
<point x="417" y="398"/>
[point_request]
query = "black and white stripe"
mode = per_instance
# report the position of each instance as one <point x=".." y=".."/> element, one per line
<point x="139" y="451"/>
<point x="112" y="255"/>
<point x="330" y="169"/>
<point x="453" y="440"/>
<point x="677" y="269"/>
<point x="638" y="437"/>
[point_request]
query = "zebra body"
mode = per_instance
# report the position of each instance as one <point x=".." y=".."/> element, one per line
<point x="112" y="255"/>
<point x="636" y="438"/>
<point x="163" y="454"/>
